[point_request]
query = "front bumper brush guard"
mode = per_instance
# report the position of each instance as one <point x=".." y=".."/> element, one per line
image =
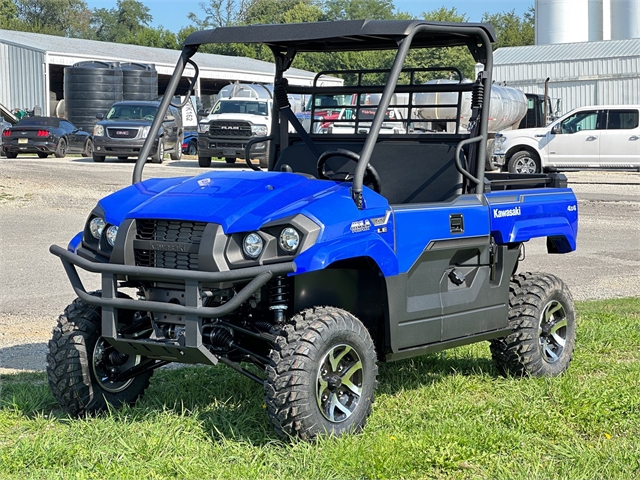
<point x="189" y="349"/>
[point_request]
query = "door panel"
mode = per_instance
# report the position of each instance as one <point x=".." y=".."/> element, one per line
<point x="579" y="142"/>
<point x="620" y="142"/>
<point x="433" y="240"/>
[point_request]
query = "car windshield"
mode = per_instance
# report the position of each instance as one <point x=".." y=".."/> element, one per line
<point x="39" y="122"/>
<point x="132" y="112"/>
<point x="240" y="106"/>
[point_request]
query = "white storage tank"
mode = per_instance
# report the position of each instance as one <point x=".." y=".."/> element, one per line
<point x="625" y="19"/>
<point x="568" y="21"/>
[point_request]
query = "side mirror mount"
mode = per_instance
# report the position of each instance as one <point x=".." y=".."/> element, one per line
<point x="202" y="113"/>
<point x="556" y="129"/>
<point x="169" y="118"/>
<point x="100" y="116"/>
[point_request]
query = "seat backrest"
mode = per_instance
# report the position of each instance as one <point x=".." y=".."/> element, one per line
<point x="410" y="171"/>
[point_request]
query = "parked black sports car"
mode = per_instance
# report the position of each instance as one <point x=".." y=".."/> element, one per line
<point x="46" y="136"/>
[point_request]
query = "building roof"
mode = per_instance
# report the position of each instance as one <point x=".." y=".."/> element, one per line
<point x="563" y="52"/>
<point x="93" y="49"/>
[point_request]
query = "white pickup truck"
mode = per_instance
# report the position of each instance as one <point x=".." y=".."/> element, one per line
<point x="599" y="137"/>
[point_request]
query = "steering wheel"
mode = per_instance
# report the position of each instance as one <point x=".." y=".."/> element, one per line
<point x="371" y="177"/>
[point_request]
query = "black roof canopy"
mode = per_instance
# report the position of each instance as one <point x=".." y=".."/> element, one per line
<point x="345" y="35"/>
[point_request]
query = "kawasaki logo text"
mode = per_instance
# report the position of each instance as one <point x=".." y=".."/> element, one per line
<point x="511" y="212"/>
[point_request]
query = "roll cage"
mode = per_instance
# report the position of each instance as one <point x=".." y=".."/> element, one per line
<point x="286" y="40"/>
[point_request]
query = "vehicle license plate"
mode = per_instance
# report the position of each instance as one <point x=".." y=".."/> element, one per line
<point x="23" y="140"/>
<point x="228" y="152"/>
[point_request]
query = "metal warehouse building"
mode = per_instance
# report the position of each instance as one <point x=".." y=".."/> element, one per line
<point x="580" y="74"/>
<point x="32" y="67"/>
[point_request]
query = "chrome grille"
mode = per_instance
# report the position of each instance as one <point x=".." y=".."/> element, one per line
<point x="229" y="129"/>
<point x="122" y="132"/>
<point x="185" y="234"/>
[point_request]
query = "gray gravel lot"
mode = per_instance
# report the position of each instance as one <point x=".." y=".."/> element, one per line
<point x="46" y="201"/>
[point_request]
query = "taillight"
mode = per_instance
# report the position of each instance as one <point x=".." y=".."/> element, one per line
<point x="6" y="133"/>
<point x="43" y="133"/>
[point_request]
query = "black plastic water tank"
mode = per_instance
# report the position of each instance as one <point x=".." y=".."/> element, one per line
<point x="91" y="88"/>
<point x="140" y="81"/>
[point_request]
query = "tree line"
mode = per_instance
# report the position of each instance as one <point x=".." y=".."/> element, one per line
<point x="130" y="22"/>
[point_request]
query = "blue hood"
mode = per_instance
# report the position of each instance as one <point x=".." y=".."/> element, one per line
<point x="239" y="201"/>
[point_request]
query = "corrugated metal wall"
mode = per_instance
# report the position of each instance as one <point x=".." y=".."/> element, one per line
<point x="578" y="83"/>
<point x="23" y="83"/>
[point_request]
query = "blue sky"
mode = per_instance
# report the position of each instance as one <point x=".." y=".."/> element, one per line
<point x="172" y="14"/>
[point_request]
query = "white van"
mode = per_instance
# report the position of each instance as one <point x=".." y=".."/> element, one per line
<point x="601" y="137"/>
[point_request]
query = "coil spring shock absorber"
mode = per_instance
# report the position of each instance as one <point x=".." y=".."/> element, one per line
<point x="279" y="298"/>
<point x="477" y="95"/>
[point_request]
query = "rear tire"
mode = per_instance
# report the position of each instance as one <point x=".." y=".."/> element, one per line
<point x="61" y="148"/>
<point x="12" y="154"/>
<point x="524" y="162"/>
<point x="193" y="148"/>
<point x="42" y="155"/>
<point x="324" y="375"/>
<point x="88" y="148"/>
<point x="75" y="365"/>
<point x="204" y="162"/>
<point x="230" y="159"/>
<point x="542" y="316"/>
<point x="177" y="152"/>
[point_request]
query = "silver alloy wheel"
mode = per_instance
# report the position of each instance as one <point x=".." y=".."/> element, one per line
<point x="525" y="165"/>
<point x="552" y="331"/>
<point x="339" y="383"/>
<point x="101" y="364"/>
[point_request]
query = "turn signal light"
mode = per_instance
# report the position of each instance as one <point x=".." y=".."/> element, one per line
<point x="43" y="133"/>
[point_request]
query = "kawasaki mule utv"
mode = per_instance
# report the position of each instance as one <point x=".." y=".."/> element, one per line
<point x="353" y="248"/>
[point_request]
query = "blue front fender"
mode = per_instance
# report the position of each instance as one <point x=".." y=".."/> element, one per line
<point x="321" y="255"/>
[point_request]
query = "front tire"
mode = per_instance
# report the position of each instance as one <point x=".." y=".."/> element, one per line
<point x="230" y="160"/>
<point x="78" y="360"/>
<point x="204" y="162"/>
<point x="524" y="162"/>
<point x="324" y="375"/>
<point x="542" y="316"/>
<point x="159" y="156"/>
<point x="61" y="148"/>
<point x="98" y="158"/>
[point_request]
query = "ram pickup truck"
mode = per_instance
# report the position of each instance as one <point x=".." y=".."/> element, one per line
<point x="347" y="251"/>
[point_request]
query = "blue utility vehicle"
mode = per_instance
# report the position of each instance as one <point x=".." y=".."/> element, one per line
<point x="353" y="248"/>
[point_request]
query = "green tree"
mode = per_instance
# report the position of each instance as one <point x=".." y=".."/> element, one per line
<point x="359" y="9"/>
<point x="512" y="30"/>
<point x="70" y="18"/>
<point x="122" y="24"/>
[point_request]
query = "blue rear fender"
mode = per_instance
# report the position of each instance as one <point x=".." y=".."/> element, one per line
<point x="519" y="216"/>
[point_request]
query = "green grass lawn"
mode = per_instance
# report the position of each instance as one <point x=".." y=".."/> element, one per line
<point x="448" y="415"/>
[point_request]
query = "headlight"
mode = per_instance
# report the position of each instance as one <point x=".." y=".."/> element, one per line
<point x="289" y="239"/>
<point x="499" y="139"/>
<point x="98" y="131"/>
<point x="203" y="127"/>
<point x="111" y="234"/>
<point x="145" y="132"/>
<point x="96" y="226"/>
<point x="259" y="130"/>
<point x="252" y="245"/>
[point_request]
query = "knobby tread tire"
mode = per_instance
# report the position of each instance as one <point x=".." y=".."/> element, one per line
<point x="69" y="368"/>
<point x="291" y="380"/>
<point x="519" y="353"/>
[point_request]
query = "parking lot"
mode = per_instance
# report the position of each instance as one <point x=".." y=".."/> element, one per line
<point x="46" y="201"/>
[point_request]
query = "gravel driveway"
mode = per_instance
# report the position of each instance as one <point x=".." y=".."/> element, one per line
<point x="46" y="201"/>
